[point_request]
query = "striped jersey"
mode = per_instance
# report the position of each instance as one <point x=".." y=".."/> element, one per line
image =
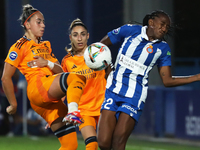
<point x="136" y="57"/>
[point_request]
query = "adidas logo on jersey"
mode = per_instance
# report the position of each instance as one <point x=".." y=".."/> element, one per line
<point x="74" y="66"/>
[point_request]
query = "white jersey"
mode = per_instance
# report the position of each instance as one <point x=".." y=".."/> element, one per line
<point x="136" y="57"/>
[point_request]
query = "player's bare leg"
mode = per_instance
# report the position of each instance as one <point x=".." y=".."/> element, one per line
<point x="105" y="130"/>
<point x="123" y="129"/>
<point x="90" y="137"/>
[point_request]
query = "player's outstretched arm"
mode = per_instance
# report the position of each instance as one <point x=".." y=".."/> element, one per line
<point x="172" y="81"/>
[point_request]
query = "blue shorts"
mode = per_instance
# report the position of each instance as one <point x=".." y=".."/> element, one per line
<point x="111" y="104"/>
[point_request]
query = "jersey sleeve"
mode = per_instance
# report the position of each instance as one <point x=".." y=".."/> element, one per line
<point x="15" y="55"/>
<point x="119" y="34"/>
<point x="165" y="58"/>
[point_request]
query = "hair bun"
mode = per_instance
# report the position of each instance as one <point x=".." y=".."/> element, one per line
<point x="27" y="7"/>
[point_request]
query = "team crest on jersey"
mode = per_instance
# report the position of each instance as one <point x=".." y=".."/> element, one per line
<point x="33" y="52"/>
<point x="13" y="55"/>
<point x="150" y="49"/>
<point x="116" y="31"/>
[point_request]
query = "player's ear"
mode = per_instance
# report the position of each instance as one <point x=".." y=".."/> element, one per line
<point x="150" y="22"/>
<point x="27" y="25"/>
<point x="70" y="37"/>
<point x="88" y="35"/>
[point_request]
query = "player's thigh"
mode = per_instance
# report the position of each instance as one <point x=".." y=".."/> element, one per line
<point x="124" y="126"/>
<point x="55" y="90"/>
<point x="52" y="111"/>
<point x="106" y="126"/>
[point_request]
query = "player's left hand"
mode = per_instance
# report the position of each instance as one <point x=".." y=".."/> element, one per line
<point x="37" y="62"/>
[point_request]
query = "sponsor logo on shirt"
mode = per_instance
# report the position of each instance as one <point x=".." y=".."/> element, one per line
<point x="130" y="108"/>
<point x="42" y="52"/>
<point x="88" y="73"/>
<point x="116" y="31"/>
<point x="135" y="66"/>
<point x="13" y="55"/>
<point x="150" y="49"/>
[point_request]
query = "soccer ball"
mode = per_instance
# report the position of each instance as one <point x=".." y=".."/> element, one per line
<point x="97" y="56"/>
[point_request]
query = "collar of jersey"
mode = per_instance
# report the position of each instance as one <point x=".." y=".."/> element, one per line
<point x="31" y="40"/>
<point x="144" y="35"/>
<point x="26" y="38"/>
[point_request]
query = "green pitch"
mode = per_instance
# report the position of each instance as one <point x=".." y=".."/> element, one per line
<point x="52" y="143"/>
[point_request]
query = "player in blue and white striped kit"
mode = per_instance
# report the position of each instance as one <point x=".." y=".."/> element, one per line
<point x="142" y="48"/>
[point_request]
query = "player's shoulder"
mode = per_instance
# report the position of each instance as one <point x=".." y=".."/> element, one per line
<point x="134" y="26"/>
<point x="45" y="42"/>
<point x="68" y="55"/>
<point x="21" y="43"/>
<point x="130" y="29"/>
<point x="164" y="43"/>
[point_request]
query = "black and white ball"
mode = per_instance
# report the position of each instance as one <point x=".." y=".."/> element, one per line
<point x="97" y="56"/>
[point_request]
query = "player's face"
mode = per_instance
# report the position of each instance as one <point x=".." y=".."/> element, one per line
<point x="37" y="25"/>
<point x="79" y="37"/>
<point x="160" y="26"/>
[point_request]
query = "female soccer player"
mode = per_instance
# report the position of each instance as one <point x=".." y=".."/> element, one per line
<point x="126" y="90"/>
<point x="35" y="60"/>
<point x="94" y="91"/>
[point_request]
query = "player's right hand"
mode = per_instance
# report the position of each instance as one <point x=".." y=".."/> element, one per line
<point x="11" y="110"/>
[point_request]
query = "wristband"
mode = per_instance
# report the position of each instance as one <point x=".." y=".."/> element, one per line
<point x="73" y="106"/>
<point x="50" y="64"/>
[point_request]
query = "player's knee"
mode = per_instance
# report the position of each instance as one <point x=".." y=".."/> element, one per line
<point x="118" y="141"/>
<point x="104" y="144"/>
<point x="77" y="78"/>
